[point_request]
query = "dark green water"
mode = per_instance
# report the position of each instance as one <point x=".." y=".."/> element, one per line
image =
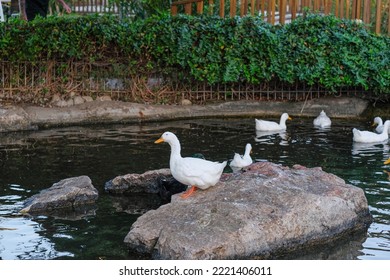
<point x="32" y="161"/>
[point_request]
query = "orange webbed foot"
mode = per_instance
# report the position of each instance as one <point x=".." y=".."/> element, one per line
<point x="188" y="192"/>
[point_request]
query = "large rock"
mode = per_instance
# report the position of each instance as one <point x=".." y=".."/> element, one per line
<point x="68" y="194"/>
<point x="264" y="211"/>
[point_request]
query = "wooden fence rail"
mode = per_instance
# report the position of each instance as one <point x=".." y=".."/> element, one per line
<point x="375" y="13"/>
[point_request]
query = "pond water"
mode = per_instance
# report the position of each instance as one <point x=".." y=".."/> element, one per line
<point x="32" y="161"/>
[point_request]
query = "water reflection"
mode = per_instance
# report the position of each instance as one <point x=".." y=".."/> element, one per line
<point x="272" y="137"/>
<point x="369" y="149"/>
<point x="32" y="161"/>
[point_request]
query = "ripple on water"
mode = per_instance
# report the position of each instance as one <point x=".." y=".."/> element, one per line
<point x="24" y="242"/>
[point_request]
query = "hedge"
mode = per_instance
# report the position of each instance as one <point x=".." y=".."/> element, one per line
<point x="314" y="50"/>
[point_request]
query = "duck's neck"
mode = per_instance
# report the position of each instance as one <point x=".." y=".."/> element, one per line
<point x="386" y="127"/>
<point x="247" y="152"/>
<point x="282" y="122"/>
<point x="175" y="149"/>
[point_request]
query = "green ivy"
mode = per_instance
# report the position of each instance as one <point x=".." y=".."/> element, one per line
<point x="312" y="50"/>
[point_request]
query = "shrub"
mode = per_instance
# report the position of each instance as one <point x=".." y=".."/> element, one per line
<point x="313" y="50"/>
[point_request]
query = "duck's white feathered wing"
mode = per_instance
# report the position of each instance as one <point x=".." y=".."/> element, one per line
<point x="237" y="161"/>
<point x="263" y="125"/>
<point x="197" y="172"/>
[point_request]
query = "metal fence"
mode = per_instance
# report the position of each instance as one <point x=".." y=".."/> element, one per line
<point x="93" y="6"/>
<point x="38" y="82"/>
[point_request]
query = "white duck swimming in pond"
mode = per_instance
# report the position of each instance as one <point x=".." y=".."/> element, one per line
<point x="242" y="161"/>
<point x="322" y="120"/>
<point x="378" y="123"/>
<point x="262" y="125"/>
<point x="371" y="137"/>
<point x="194" y="172"/>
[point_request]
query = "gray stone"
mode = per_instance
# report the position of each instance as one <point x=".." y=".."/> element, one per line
<point x="137" y="183"/>
<point x="87" y="98"/>
<point x="78" y="100"/>
<point x="261" y="212"/>
<point x="61" y="103"/>
<point x="13" y="119"/>
<point x="70" y="193"/>
<point x="55" y="98"/>
<point x="70" y="102"/>
<point x="186" y="102"/>
<point x="104" y="98"/>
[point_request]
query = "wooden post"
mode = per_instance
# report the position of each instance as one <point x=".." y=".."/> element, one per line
<point x="316" y="7"/>
<point x="199" y="7"/>
<point x="232" y="8"/>
<point x="262" y="7"/>
<point x="188" y="8"/>
<point x="253" y="7"/>
<point x="273" y="12"/>
<point x="336" y="8"/>
<point x="174" y="10"/>
<point x="282" y="11"/>
<point x="328" y="6"/>
<point x="293" y="9"/>
<point x="367" y="11"/>
<point x="242" y="4"/>
<point x="243" y="7"/>
<point x="306" y="3"/>
<point x="378" y="17"/>
<point x="341" y="9"/>
<point x="353" y="12"/>
<point x="358" y="8"/>
<point x="222" y="8"/>
<point x="347" y="8"/>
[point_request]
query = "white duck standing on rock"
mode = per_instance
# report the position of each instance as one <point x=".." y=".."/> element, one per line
<point x="262" y="125"/>
<point x="194" y="172"/>
<point x="322" y="120"/>
<point x="241" y="161"/>
<point x="371" y="137"/>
